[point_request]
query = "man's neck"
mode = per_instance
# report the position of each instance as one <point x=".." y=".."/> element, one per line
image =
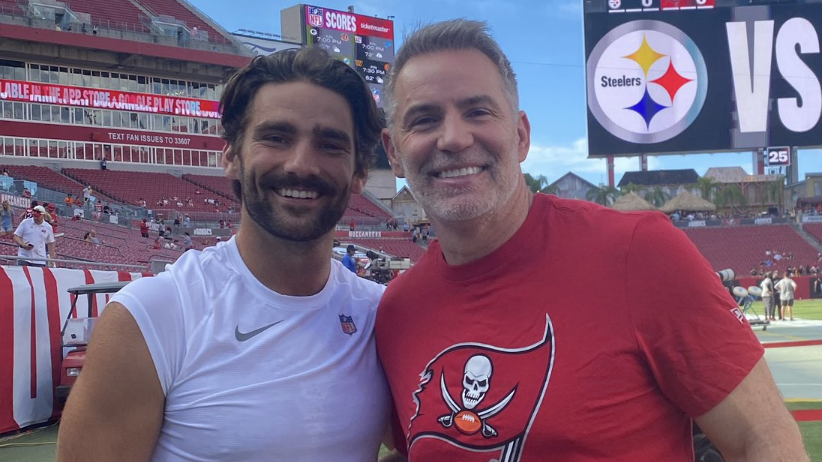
<point x="286" y="267"/>
<point x="466" y="241"/>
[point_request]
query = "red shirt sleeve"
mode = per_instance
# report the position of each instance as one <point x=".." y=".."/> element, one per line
<point x="696" y="341"/>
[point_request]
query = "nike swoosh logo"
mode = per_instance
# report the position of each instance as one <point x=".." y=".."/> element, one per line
<point x="243" y="336"/>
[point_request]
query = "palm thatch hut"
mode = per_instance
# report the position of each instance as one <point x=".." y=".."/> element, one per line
<point x="632" y="201"/>
<point x="689" y="203"/>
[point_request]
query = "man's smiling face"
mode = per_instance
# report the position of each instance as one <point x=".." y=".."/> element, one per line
<point x="296" y="163"/>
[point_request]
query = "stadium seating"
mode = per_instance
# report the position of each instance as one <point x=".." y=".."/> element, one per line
<point x="361" y="204"/>
<point x="11" y="7"/>
<point x="48" y="178"/>
<point x="216" y="184"/>
<point x="179" y="10"/>
<point x="117" y="14"/>
<point x="815" y="230"/>
<point x="129" y="187"/>
<point x="133" y="248"/>
<point x="743" y="247"/>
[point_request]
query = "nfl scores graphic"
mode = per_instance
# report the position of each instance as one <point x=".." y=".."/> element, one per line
<point x="647" y="81"/>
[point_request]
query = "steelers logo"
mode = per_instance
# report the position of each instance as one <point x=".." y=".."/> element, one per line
<point x="647" y="81"/>
<point x="614" y="4"/>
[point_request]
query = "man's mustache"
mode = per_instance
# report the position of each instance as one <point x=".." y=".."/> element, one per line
<point x="292" y="181"/>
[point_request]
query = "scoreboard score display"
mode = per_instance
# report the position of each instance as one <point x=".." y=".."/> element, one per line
<point x="363" y="42"/>
<point x="778" y="156"/>
<point x="694" y="76"/>
<point x="632" y="6"/>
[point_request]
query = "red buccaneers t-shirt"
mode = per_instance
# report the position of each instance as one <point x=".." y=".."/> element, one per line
<point x="591" y="335"/>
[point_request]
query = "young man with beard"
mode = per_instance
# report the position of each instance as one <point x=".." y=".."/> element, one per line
<point x="261" y="348"/>
<point x="490" y="356"/>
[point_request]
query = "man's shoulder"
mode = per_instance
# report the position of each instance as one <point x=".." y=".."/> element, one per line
<point x="605" y="223"/>
<point x="192" y="268"/>
<point x="358" y="285"/>
<point x="579" y="210"/>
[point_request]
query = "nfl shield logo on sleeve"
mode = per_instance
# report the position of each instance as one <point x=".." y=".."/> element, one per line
<point x="347" y="323"/>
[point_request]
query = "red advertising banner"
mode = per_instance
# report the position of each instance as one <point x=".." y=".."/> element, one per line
<point x="110" y="135"/>
<point x="327" y="18"/>
<point x="34" y="92"/>
<point x="177" y="140"/>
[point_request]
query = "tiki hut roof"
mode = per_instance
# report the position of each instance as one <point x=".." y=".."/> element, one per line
<point x="688" y="202"/>
<point x="632" y="201"/>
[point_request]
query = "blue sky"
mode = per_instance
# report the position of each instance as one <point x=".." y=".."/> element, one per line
<point x="543" y="40"/>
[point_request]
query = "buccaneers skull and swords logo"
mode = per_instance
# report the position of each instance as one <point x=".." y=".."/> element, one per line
<point x="476" y="382"/>
<point x="482" y="398"/>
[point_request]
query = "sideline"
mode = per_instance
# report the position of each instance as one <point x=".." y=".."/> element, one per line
<point x="807" y="415"/>
<point x="794" y="343"/>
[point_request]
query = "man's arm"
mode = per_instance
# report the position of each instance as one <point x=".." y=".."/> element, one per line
<point x="115" y="410"/>
<point x="19" y="240"/>
<point x="752" y="423"/>
<point x="52" y="251"/>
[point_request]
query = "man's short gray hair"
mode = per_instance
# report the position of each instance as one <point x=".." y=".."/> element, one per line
<point x="451" y="35"/>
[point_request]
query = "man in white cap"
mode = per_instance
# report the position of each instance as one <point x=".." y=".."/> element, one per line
<point x="32" y="236"/>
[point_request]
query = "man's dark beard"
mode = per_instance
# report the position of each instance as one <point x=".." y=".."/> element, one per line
<point x="259" y="208"/>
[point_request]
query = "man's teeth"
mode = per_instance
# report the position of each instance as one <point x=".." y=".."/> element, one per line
<point x="460" y="172"/>
<point x="298" y="194"/>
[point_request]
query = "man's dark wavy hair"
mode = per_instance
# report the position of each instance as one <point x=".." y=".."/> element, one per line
<point x="313" y="65"/>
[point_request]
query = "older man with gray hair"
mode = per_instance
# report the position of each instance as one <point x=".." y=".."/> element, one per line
<point x="490" y="356"/>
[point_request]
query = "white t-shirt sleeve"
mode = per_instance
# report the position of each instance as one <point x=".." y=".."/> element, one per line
<point x="155" y="304"/>
<point x="20" y="229"/>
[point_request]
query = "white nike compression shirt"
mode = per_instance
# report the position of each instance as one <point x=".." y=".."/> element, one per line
<point x="252" y="375"/>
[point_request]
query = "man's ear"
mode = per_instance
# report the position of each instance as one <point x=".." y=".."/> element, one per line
<point x="388" y="145"/>
<point x="230" y="163"/>
<point x="524" y="132"/>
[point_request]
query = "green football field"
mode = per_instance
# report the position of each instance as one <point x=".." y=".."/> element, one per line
<point x="811" y="431"/>
<point x="808" y="309"/>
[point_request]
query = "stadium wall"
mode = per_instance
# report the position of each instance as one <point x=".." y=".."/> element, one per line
<point x="34" y="304"/>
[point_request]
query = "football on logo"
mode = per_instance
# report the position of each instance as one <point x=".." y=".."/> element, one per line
<point x="647" y="81"/>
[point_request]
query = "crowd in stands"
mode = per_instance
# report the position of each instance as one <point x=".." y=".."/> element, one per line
<point x="773" y="259"/>
<point x="169" y="205"/>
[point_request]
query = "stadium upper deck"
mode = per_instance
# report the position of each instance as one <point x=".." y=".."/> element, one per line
<point x="134" y="82"/>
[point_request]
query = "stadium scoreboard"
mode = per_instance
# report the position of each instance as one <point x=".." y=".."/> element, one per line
<point x="635" y="6"/>
<point x="695" y="76"/>
<point x="363" y="42"/>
